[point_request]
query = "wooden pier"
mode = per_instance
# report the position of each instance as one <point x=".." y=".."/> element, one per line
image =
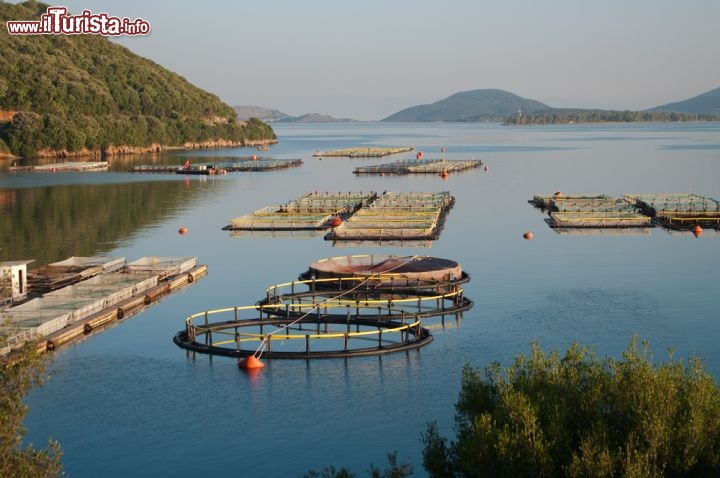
<point x="90" y="303"/>
<point x="420" y="166"/>
<point x="363" y="152"/>
<point x="313" y="211"/>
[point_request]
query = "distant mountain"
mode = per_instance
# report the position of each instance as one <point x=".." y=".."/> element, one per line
<point x="475" y="105"/>
<point x="704" y="104"/>
<point x="274" y="116"/>
<point x="263" y="114"/>
<point x="315" y="118"/>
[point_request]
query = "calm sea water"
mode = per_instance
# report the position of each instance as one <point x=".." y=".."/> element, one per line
<point x="128" y="402"/>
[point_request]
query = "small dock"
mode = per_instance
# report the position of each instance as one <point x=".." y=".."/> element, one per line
<point x="100" y="292"/>
<point x="397" y="216"/>
<point x="420" y="166"/>
<point x="62" y="167"/>
<point x="363" y="152"/>
<point x="313" y="211"/>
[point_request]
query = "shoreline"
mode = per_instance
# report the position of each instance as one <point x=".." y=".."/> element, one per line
<point x="116" y="151"/>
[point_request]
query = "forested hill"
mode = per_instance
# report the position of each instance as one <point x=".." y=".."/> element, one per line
<point x="77" y="93"/>
<point x="707" y="103"/>
<point x="475" y="105"/>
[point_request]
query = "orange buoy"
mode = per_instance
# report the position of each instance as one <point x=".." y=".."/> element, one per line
<point x="183" y="230"/>
<point x="254" y="157"/>
<point x="697" y="230"/>
<point x="528" y="235"/>
<point x="444" y="173"/>
<point x="250" y="363"/>
<point x="335" y="221"/>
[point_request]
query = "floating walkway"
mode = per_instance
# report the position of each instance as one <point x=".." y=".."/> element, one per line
<point x="89" y="303"/>
<point x="313" y="211"/>
<point x="374" y="313"/>
<point x="397" y="216"/>
<point x="370" y="152"/>
<point x="67" y="166"/>
<point x="637" y="211"/>
<point x="221" y="167"/>
<point x="420" y="166"/>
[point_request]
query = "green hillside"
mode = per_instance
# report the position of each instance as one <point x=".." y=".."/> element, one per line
<point x="76" y="92"/>
<point x="705" y="104"/>
<point x="476" y="105"/>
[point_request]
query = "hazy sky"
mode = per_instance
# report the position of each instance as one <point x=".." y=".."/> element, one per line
<point x="367" y="59"/>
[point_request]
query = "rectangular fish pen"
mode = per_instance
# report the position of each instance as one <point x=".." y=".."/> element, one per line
<point x="679" y="211"/>
<point x="363" y="152"/>
<point x="397" y="216"/>
<point x="313" y="211"/>
<point x="419" y="166"/>
<point x="600" y="219"/>
<point x="555" y="201"/>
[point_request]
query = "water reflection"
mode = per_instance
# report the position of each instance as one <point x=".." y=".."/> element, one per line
<point x="52" y="223"/>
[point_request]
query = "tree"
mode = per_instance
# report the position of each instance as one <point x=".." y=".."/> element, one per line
<point x="21" y="370"/>
<point x="395" y="470"/>
<point x="547" y="415"/>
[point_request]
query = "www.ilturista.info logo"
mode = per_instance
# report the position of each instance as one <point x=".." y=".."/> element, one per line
<point x="57" y="22"/>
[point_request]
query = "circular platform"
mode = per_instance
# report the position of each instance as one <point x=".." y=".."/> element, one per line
<point x="423" y="268"/>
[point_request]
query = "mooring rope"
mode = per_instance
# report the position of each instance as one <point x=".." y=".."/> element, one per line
<point x="264" y="341"/>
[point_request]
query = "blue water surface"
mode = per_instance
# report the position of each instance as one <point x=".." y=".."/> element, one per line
<point x="128" y="402"/>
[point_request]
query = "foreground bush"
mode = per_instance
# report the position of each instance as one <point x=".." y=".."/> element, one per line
<point x="19" y="371"/>
<point x="576" y="415"/>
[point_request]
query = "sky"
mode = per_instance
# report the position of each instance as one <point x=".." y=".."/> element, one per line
<point x="367" y="59"/>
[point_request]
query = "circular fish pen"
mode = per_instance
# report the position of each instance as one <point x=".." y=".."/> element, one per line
<point x="374" y="308"/>
<point x="398" y="268"/>
<point x="242" y="331"/>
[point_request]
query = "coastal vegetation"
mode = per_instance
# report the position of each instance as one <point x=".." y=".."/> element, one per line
<point x="85" y="94"/>
<point x="576" y="415"/>
<point x="20" y="371"/>
<point x="548" y="415"/>
<point x="566" y="116"/>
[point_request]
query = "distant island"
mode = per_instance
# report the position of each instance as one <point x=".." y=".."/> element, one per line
<point x="83" y="95"/>
<point x="508" y="108"/>
<point x="274" y="116"/>
<point x="499" y="106"/>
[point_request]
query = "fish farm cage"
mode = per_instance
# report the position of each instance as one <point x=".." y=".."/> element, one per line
<point x="332" y="317"/>
<point x="671" y="211"/>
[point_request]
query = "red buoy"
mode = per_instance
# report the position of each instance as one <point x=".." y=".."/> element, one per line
<point x="558" y="194"/>
<point x="444" y="173"/>
<point x="528" y="235"/>
<point x="254" y="157"/>
<point x="183" y="230"/>
<point x="419" y="154"/>
<point x="250" y="363"/>
<point x="335" y="221"/>
<point x="697" y="230"/>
